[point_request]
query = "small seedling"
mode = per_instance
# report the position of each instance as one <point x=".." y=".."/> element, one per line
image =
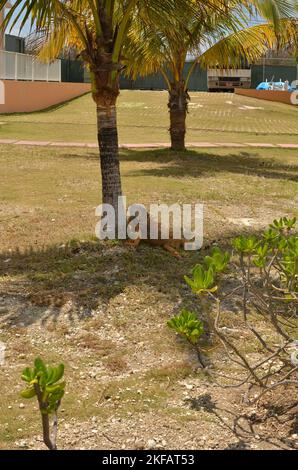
<point x="189" y="326"/>
<point x="43" y="382"/>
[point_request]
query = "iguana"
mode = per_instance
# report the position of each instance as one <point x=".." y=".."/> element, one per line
<point x="169" y="244"/>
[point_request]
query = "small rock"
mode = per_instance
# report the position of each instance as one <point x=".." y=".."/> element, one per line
<point x="151" y="444"/>
<point x="189" y="386"/>
<point x="21" y="444"/>
<point x="22" y="406"/>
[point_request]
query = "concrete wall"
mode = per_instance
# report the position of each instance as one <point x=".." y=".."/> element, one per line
<point x="278" y="96"/>
<point x="24" y="96"/>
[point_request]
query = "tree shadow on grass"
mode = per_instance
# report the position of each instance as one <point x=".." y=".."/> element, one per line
<point x="87" y="276"/>
<point x="198" y="163"/>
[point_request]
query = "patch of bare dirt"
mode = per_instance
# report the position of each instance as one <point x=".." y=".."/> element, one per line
<point x="131" y="384"/>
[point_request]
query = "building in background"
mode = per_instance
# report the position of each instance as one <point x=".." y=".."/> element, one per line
<point x="14" y="44"/>
<point x="16" y="65"/>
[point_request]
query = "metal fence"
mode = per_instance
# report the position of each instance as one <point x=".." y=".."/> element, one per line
<point x="15" y="66"/>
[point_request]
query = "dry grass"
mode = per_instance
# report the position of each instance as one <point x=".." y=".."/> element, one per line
<point x="92" y="342"/>
<point x="49" y="196"/>
<point x="116" y="363"/>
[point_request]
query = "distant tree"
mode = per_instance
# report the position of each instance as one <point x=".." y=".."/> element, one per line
<point x="222" y="38"/>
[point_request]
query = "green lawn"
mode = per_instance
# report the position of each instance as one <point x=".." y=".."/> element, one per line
<point x="143" y="118"/>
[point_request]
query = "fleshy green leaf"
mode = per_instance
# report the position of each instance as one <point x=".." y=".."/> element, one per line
<point x="28" y="393"/>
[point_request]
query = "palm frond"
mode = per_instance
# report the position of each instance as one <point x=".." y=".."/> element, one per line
<point x="250" y="44"/>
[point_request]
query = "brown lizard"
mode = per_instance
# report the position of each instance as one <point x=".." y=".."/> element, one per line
<point x="169" y="244"/>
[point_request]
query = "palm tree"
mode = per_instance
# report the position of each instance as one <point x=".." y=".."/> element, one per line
<point x="222" y="38"/>
<point x="99" y="29"/>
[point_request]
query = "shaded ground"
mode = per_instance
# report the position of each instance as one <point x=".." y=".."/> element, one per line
<point x="143" y="117"/>
<point x="102" y="308"/>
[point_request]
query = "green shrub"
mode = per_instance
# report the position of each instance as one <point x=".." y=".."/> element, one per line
<point x="187" y="325"/>
<point x="44" y="383"/>
<point x="264" y="274"/>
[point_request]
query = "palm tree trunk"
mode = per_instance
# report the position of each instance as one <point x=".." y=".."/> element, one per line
<point x="109" y="153"/>
<point x="178" y="104"/>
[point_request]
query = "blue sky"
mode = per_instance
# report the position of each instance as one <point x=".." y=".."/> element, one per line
<point x="16" y="31"/>
<point x="26" y="29"/>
